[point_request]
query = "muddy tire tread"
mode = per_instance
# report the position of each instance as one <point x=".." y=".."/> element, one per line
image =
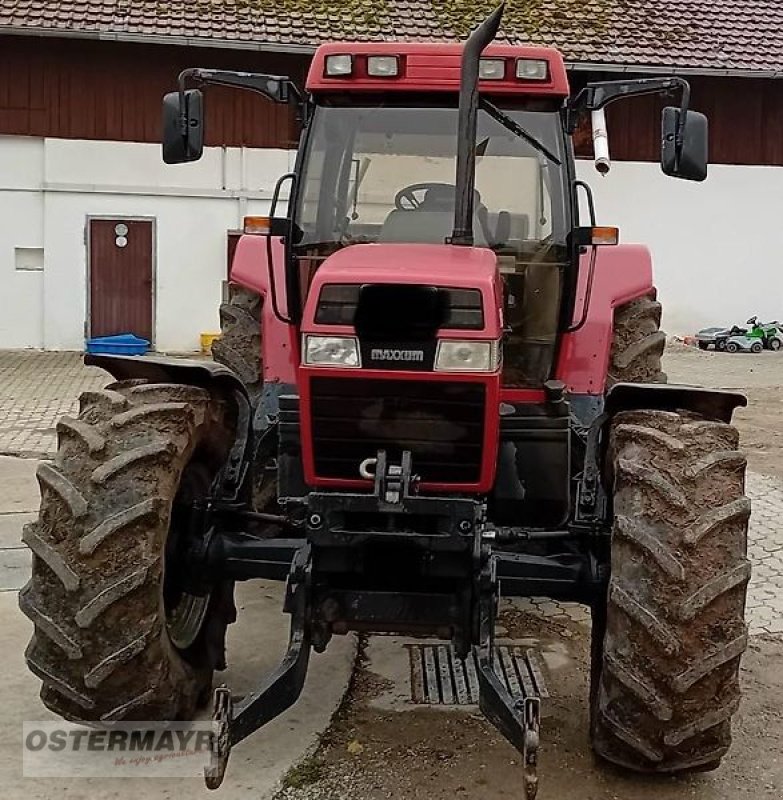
<point x="94" y="595"/>
<point x="638" y="343"/>
<point x="239" y="346"/>
<point x="668" y="679"/>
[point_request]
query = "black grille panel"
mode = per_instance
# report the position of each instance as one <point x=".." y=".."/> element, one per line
<point x="442" y="424"/>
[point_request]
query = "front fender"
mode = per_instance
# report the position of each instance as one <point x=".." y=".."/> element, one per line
<point x="160" y="369"/>
<point x="259" y="265"/>
<point x="622" y="274"/>
<point x="716" y="404"/>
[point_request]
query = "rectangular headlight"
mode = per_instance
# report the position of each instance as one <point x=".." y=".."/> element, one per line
<point x="492" y="69"/>
<point x="331" y="351"/>
<point x="532" y="69"/>
<point x="383" y="66"/>
<point x="467" y="356"/>
<point x="338" y="66"/>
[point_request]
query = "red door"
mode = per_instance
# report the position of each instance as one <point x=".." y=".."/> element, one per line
<point x="121" y="295"/>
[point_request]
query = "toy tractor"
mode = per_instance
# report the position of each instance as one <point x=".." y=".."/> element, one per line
<point x="753" y="338"/>
<point x="440" y="387"/>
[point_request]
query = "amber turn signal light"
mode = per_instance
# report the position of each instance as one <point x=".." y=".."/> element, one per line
<point x="257" y="226"/>
<point x="605" y="235"/>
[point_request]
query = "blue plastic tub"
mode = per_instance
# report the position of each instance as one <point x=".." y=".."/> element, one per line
<point x="125" y="344"/>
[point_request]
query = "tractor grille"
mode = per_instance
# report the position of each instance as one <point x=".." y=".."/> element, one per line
<point x="442" y="424"/>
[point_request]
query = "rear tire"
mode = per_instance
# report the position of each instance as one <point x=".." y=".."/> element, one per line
<point x="666" y="669"/>
<point x="756" y="347"/>
<point x="703" y="345"/>
<point x="101" y="643"/>
<point x="638" y="343"/>
<point x="239" y="346"/>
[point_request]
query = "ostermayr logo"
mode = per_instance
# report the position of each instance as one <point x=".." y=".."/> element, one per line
<point x="115" y="750"/>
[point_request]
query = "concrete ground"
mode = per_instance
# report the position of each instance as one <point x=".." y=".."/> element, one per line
<point x="35" y="389"/>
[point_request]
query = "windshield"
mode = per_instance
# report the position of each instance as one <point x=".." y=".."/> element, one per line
<point x="367" y="168"/>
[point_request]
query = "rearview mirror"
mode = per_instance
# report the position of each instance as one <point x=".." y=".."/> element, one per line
<point x="180" y="147"/>
<point x="687" y="158"/>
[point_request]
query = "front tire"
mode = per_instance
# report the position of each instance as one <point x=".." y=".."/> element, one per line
<point x="102" y="596"/>
<point x="666" y="666"/>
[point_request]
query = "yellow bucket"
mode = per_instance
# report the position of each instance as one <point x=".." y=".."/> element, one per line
<point x="206" y="342"/>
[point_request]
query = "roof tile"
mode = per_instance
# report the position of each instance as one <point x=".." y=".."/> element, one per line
<point x="702" y="34"/>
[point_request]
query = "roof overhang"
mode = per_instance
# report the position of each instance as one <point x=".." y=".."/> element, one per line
<point x="654" y="69"/>
<point x="145" y="38"/>
<point x="307" y="49"/>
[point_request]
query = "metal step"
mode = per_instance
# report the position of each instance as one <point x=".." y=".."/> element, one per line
<point x="438" y="677"/>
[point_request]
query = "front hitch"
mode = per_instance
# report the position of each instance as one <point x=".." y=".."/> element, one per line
<point x="278" y="692"/>
<point x="517" y="717"/>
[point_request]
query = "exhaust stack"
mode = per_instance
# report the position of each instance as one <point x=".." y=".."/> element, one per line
<point x="603" y="162"/>
<point x="466" y="127"/>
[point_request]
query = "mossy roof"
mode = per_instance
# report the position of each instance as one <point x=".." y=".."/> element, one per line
<point x="701" y="34"/>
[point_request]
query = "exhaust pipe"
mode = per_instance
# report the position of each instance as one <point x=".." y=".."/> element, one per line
<point x="466" y="127"/>
<point x="603" y="162"/>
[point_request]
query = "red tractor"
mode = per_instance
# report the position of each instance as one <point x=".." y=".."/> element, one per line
<point x="438" y="387"/>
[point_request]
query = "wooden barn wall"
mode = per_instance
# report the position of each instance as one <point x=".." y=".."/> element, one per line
<point x="80" y="89"/>
<point x="745" y="116"/>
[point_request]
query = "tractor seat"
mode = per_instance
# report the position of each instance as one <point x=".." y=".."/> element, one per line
<point x="431" y="223"/>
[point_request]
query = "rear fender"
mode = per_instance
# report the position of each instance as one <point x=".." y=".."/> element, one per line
<point x="714" y="404"/>
<point x="622" y="274"/>
<point x="259" y="265"/>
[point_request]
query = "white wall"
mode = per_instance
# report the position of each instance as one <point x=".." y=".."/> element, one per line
<point x="50" y="187"/>
<point x="716" y="245"/>
<point x="21" y="226"/>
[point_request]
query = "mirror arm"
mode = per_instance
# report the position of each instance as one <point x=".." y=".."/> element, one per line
<point x="278" y="88"/>
<point x="596" y="96"/>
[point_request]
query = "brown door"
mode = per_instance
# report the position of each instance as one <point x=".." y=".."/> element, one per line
<point x="121" y="299"/>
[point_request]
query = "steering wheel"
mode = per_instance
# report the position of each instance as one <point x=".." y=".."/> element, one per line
<point x="406" y="199"/>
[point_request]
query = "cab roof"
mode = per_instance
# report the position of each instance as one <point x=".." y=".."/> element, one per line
<point x="434" y="67"/>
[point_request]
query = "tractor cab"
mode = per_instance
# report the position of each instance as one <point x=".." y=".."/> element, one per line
<point x="379" y="163"/>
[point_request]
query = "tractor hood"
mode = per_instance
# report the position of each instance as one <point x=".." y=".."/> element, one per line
<point x="437" y="265"/>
